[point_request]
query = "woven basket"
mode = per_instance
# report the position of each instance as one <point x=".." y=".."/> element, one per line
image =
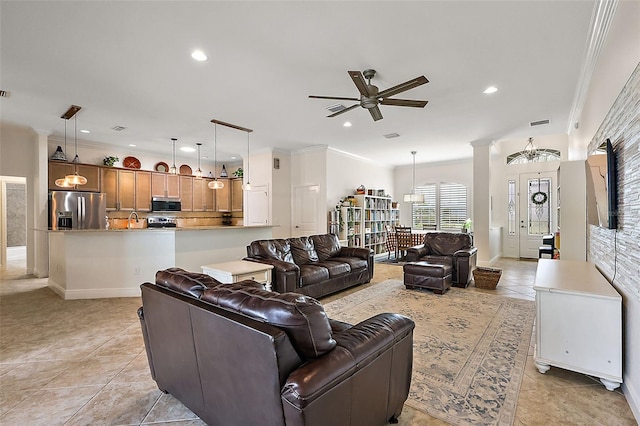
<point x="486" y="278"/>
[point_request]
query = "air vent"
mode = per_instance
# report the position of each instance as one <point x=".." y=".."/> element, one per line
<point x="118" y="128"/>
<point x="4" y="94"/>
<point x="336" y="107"/>
<point x="391" y="135"/>
<point x="539" y="123"/>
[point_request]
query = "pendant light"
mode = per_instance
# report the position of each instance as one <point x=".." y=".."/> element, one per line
<point x="198" y="172"/>
<point x="247" y="186"/>
<point x="215" y="183"/>
<point x="62" y="182"/>
<point x="530" y="151"/>
<point x="412" y="197"/>
<point x="173" y="170"/>
<point x="75" y="178"/>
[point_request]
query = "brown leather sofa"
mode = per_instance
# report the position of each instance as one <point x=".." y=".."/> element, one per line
<point x="447" y="248"/>
<point x="315" y="265"/>
<point x="236" y="354"/>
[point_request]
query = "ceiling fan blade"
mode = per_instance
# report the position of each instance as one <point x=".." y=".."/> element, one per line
<point x="404" y="102"/>
<point x="343" y="111"/>
<point x="402" y="87"/>
<point x="334" y="97"/>
<point x="358" y="80"/>
<point x="375" y="113"/>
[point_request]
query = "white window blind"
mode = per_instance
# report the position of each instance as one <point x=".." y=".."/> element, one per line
<point x="444" y="207"/>
<point x="453" y="205"/>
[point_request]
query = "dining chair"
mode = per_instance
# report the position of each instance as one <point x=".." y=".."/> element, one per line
<point x="404" y="240"/>
<point x="391" y="242"/>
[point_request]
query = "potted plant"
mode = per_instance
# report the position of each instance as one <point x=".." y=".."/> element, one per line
<point x="466" y="227"/>
<point x="238" y="173"/>
<point x="110" y="160"/>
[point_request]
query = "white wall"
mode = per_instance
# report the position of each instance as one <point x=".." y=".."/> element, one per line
<point x="281" y="196"/>
<point x="346" y="172"/>
<point x="460" y="171"/>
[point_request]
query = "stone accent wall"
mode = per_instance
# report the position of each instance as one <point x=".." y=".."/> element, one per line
<point x="16" y="215"/>
<point x="617" y="252"/>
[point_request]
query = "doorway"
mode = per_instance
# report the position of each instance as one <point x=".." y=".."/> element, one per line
<point x="305" y="210"/>
<point x="535" y="212"/>
<point x="13" y="222"/>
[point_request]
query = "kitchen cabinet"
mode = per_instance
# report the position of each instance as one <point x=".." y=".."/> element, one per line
<point x="223" y="196"/>
<point x="186" y="193"/>
<point x="59" y="169"/>
<point x="119" y="185"/>
<point x="165" y="185"/>
<point x="209" y="196"/>
<point x="143" y="191"/>
<point x="237" y="195"/>
<point x="203" y="196"/>
<point x="578" y="321"/>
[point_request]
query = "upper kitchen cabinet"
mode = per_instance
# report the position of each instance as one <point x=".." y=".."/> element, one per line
<point x="120" y="187"/>
<point x="203" y="196"/>
<point x="223" y="196"/>
<point x="186" y="193"/>
<point x="59" y="169"/>
<point x="236" y="195"/>
<point x="143" y="191"/>
<point x="165" y="185"/>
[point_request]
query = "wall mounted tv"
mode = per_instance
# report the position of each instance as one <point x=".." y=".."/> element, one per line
<point x="602" y="199"/>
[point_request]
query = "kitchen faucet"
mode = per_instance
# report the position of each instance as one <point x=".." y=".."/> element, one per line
<point x="129" y="219"/>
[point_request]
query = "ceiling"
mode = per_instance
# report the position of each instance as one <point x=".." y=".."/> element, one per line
<point x="128" y="64"/>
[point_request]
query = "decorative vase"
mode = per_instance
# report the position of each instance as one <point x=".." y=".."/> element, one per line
<point x="223" y="173"/>
<point x="59" y="154"/>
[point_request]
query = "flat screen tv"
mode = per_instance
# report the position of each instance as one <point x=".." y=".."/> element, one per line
<point x="602" y="199"/>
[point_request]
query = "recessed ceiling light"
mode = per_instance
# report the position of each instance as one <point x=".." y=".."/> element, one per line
<point x="204" y="156"/>
<point x="490" y="89"/>
<point x="234" y="157"/>
<point x="132" y="144"/>
<point x="199" y="55"/>
<point x="187" y="149"/>
<point x="84" y="131"/>
<point x="347" y="124"/>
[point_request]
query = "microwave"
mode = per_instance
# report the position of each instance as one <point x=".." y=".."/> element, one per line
<point x="161" y="204"/>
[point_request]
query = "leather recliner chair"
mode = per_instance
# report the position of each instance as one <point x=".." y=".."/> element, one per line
<point x="448" y="248"/>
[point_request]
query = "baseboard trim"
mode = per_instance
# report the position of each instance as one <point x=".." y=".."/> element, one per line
<point x="100" y="293"/>
<point x="633" y="399"/>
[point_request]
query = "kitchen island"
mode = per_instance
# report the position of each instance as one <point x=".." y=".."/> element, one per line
<point x="89" y="264"/>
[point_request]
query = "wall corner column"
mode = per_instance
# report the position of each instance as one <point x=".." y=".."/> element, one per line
<point x="481" y="196"/>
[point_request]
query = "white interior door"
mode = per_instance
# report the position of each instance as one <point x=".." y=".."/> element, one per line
<point x="535" y="215"/>
<point x="305" y="210"/>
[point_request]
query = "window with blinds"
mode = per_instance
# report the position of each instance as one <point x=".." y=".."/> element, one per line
<point x="444" y="207"/>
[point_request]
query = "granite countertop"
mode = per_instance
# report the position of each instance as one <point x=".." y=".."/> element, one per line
<point x="190" y="228"/>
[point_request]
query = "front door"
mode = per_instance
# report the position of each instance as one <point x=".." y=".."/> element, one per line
<point x="536" y="211"/>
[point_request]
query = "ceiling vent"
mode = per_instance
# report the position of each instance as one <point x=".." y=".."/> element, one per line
<point x="539" y="123"/>
<point x="4" y="94"/>
<point x="118" y="128"/>
<point x="391" y="135"/>
<point x="336" y="108"/>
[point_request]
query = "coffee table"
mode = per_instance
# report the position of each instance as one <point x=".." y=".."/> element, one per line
<point x="238" y="270"/>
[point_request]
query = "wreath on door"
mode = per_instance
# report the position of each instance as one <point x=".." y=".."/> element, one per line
<point x="539" y="198"/>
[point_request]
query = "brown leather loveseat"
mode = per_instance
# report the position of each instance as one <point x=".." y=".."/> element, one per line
<point x="315" y="265"/>
<point x="447" y="248"/>
<point x="236" y="354"/>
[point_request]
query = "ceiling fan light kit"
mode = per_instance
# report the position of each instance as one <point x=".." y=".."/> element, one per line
<point x="371" y="97"/>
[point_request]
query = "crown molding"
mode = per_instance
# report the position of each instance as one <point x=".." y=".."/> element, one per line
<point x="603" y="13"/>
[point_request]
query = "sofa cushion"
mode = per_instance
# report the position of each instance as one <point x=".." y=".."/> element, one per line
<point x="355" y="264"/>
<point x="191" y="283"/>
<point x="301" y="317"/>
<point x="326" y="245"/>
<point x="335" y="268"/>
<point x="277" y="249"/>
<point x="446" y="243"/>
<point x="303" y="250"/>
<point x="312" y="273"/>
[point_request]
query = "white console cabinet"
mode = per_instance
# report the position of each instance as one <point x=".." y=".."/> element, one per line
<point x="579" y="321"/>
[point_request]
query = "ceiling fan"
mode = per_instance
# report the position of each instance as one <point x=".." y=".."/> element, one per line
<point x="370" y="97"/>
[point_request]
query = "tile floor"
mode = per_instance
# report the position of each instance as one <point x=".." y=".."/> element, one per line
<point x="82" y="362"/>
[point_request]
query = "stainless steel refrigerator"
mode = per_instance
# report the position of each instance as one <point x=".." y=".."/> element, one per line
<point x="77" y="210"/>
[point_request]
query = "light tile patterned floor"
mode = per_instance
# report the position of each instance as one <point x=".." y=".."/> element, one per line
<point x="82" y="362"/>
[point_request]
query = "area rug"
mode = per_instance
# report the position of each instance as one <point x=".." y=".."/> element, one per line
<point x="469" y="348"/>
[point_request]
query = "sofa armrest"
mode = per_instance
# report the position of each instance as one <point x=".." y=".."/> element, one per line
<point x="465" y="252"/>
<point x="416" y="252"/>
<point x="285" y="276"/>
<point x="359" y="252"/>
<point x="357" y="347"/>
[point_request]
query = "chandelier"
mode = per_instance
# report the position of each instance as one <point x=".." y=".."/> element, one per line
<point x="530" y="151"/>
